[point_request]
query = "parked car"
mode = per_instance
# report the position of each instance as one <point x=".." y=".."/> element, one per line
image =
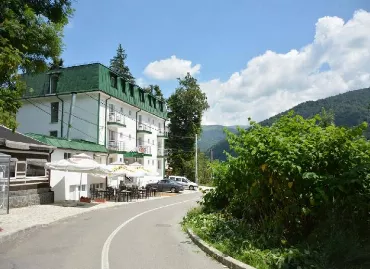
<point x="185" y="182"/>
<point x="166" y="185"/>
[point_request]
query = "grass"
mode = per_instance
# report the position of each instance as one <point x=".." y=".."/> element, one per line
<point x="243" y="243"/>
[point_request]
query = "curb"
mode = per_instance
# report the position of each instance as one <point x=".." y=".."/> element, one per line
<point x="216" y="254"/>
<point x="23" y="232"/>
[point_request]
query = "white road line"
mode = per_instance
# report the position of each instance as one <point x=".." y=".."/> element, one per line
<point x="105" y="250"/>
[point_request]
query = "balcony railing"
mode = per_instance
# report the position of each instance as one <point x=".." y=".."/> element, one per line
<point x="116" y="145"/>
<point x="162" y="132"/>
<point x="115" y="117"/>
<point x="144" y="149"/>
<point x="144" y="128"/>
<point x="162" y="152"/>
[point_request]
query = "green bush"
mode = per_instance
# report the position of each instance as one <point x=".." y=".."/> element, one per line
<point x="297" y="184"/>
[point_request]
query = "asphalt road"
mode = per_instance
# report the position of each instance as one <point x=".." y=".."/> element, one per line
<point x="135" y="236"/>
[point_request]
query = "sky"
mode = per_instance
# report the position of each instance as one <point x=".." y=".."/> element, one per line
<point x="251" y="58"/>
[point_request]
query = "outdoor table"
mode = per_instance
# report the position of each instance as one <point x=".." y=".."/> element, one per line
<point x="126" y="194"/>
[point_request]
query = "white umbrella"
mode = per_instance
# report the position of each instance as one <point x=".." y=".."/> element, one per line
<point x="79" y="163"/>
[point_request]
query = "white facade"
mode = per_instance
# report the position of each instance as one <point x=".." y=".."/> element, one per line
<point x="66" y="185"/>
<point x="97" y="118"/>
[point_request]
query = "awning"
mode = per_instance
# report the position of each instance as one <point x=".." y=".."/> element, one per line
<point x="37" y="162"/>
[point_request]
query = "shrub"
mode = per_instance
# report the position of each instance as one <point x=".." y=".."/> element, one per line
<point x="295" y="182"/>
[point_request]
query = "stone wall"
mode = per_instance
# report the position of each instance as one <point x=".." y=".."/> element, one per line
<point x="24" y="198"/>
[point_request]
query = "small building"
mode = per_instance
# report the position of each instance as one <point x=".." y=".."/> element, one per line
<point x="66" y="185"/>
<point x="29" y="181"/>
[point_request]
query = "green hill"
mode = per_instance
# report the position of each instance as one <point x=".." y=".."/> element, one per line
<point x="211" y="135"/>
<point x="350" y="109"/>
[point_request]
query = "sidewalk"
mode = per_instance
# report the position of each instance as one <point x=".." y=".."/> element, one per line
<point x="21" y="220"/>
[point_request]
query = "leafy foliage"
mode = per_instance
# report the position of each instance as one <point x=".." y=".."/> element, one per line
<point x="155" y="90"/>
<point x="186" y="107"/>
<point x="30" y="34"/>
<point x="297" y="187"/>
<point x="118" y="65"/>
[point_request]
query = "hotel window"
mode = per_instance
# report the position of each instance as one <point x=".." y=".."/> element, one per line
<point x="54" y="115"/>
<point x="53" y="133"/>
<point x="113" y="81"/>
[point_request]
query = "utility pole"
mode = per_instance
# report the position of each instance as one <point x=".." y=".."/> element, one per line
<point x="211" y="163"/>
<point x="196" y="158"/>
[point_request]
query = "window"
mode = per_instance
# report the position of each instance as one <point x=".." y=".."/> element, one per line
<point x="67" y="155"/>
<point x="101" y="185"/>
<point x="153" y="142"/>
<point x="54" y="112"/>
<point x="142" y="98"/>
<point x="121" y="135"/>
<point x="140" y="119"/>
<point x="129" y="112"/>
<point x="148" y="162"/>
<point x="159" y="164"/>
<point x="148" y="141"/>
<point x="132" y="90"/>
<point x="53" y="83"/>
<point x="153" y="121"/>
<point x="152" y="162"/>
<point x="121" y="110"/>
<point x="113" y="81"/>
<point x="123" y="84"/>
<point x="112" y="135"/>
<point x="83" y="187"/>
<point x="54" y="133"/>
<point x="111" y="108"/>
<point x="120" y="160"/>
<point x="129" y="136"/>
<point x="111" y="160"/>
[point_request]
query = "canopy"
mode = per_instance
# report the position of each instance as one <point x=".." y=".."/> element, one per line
<point x="122" y="169"/>
<point x="79" y="163"/>
<point x="139" y="167"/>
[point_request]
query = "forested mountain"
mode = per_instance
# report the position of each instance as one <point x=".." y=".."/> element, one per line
<point x="350" y="109"/>
<point x="211" y="135"/>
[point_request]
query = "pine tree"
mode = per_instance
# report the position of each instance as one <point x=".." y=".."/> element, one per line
<point x="117" y="64"/>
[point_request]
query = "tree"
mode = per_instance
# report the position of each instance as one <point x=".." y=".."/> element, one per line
<point x="326" y="118"/>
<point x="154" y="90"/>
<point x="186" y="107"/>
<point x="30" y="35"/>
<point x="56" y="64"/>
<point x="118" y="65"/>
<point x="157" y="92"/>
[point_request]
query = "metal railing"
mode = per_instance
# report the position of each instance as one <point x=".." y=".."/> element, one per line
<point x="116" y="117"/>
<point x="143" y="127"/>
<point x="162" y="132"/>
<point x="162" y="152"/>
<point x="116" y="145"/>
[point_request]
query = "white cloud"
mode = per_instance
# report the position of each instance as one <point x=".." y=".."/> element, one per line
<point x="272" y="82"/>
<point x="141" y="82"/>
<point x="171" y="68"/>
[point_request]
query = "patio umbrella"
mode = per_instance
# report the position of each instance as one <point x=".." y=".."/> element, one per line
<point x="79" y="163"/>
<point x="140" y="167"/>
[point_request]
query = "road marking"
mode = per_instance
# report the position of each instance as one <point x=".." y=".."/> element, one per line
<point x="105" y="250"/>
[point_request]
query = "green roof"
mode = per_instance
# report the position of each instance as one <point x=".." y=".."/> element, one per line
<point x="63" y="143"/>
<point x="93" y="77"/>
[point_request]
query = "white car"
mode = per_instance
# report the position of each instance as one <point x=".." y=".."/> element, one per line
<point x="185" y="182"/>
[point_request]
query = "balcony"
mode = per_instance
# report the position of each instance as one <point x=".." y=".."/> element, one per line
<point x="146" y="150"/>
<point x="162" y="133"/>
<point x="142" y="128"/>
<point x="116" y="146"/>
<point x="162" y="152"/>
<point x="116" y="119"/>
